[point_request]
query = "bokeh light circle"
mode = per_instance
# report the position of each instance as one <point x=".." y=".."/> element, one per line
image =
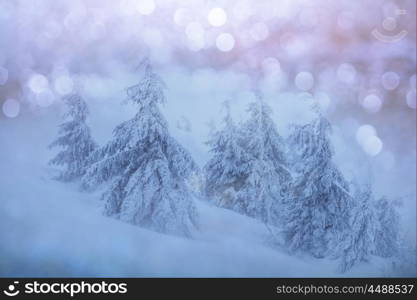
<point x="225" y="42"/>
<point x="346" y="73"/>
<point x="390" y="80"/>
<point x="11" y="108"/>
<point x="145" y="7"/>
<point x="373" y="145"/>
<point x="63" y="85"/>
<point x="411" y="99"/>
<point x="217" y="17"/>
<point x="364" y="132"/>
<point x="304" y="81"/>
<point x="372" y="103"/>
<point x="38" y="83"/>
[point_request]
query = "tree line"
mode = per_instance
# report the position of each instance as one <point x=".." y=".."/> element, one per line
<point x="292" y="185"/>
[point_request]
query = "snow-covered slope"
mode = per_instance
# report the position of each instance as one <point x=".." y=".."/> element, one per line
<point x="48" y="228"/>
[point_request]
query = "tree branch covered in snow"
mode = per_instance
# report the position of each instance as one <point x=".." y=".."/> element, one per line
<point x="146" y="168"/>
<point x="318" y="208"/>
<point x="74" y="139"/>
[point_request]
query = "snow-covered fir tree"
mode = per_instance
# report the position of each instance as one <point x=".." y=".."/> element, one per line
<point x="358" y="241"/>
<point x="317" y="210"/>
<point x="264" y="168"/>
<point x="75" y="139"/>
<point x="146" y="167"/>
<point x="223" y="172"/>
<point x="387" y="231"/>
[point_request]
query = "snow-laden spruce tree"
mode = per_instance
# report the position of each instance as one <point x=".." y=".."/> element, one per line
<point x="373" y="230"/>
<point x="224" y="174"/>
<point x="387" y="230"/>
<point x="75" y="139"/>
<point x="358" y="240"/>
<point x="146" y="168"/>
<point x="264" y="168"/>
<point x="317" y="210"/>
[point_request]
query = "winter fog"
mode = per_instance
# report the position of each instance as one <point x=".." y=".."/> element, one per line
<point x="208" y="138"/>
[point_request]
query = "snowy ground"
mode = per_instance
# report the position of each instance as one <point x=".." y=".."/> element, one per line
<point x="52" y="229"/>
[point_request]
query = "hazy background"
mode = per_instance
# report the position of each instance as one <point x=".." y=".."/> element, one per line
<point x="356" y="59"/>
